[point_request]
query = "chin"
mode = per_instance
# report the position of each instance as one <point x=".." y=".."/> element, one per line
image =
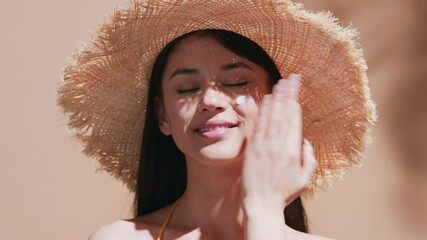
<point x="220" y="155"/>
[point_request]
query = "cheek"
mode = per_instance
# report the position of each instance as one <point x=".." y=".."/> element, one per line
<point x="249" y="102"/>
<point x="247" y="108"/>
<point x="180" y="113"/>
<point x="260" y="92"/>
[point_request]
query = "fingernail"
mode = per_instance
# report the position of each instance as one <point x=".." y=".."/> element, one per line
<point x="308" y="144"/>
<point x="293" y="80"/>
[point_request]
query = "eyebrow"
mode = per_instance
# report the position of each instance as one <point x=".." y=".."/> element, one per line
<point x="234" y="65"/>
<point x="225" y="67"/>
<point x="184" y="71"/>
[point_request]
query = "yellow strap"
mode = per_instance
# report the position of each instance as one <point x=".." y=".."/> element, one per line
<point x="166" y="222"/>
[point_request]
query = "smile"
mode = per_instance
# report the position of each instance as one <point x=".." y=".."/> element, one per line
<point x="214" y="131"/>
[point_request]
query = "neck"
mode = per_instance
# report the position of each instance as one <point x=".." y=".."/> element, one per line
<point x="211" y="200"/>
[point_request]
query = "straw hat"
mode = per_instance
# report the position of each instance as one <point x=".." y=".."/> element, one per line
<point x="104" y="88"/>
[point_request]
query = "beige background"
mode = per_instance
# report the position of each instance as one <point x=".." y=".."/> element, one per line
<point x="49" y="190"/>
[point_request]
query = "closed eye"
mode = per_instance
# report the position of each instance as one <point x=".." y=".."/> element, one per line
<point x="188" y="90"/>
<point x="239" y="84"/>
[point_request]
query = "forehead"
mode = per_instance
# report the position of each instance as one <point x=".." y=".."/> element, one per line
<point x="200" y="46"/>
<point x="204" y="52"/>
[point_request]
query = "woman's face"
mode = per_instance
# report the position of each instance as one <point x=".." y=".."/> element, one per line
<point x="210" y="99"/>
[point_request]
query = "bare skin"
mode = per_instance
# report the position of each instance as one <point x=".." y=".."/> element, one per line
<point x="239" y="179"/>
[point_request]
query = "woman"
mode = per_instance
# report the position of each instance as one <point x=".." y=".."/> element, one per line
<point x="197" y="90"/>
<point x="222" y="151"/>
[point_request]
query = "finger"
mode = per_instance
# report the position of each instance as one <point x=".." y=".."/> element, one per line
<point x="276" y="121"/>
<point x="309" y="163"/>
<point x="288" y="87"/>
<point x="292" y="115"/>
<point x="293" y="90"/>
<point x="284" y="120"/>
<point x="280" y="87"/>
<point x="263" y="117"/>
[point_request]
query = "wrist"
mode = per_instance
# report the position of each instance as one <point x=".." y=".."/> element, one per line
<point x="266" y="209"/>
<point x="264" y="216"/>
<point x="254" y="204"/>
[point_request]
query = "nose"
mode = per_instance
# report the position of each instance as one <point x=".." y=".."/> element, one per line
<point x="212" y="100"/>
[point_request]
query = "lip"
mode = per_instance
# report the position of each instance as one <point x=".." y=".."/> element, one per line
<point x="215" y="129"/>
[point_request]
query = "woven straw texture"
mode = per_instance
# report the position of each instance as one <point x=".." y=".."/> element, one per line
<point x="104" y="86"/>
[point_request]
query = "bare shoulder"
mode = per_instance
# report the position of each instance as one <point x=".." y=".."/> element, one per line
<point x="144" y="227"/>
<point x="315" y="237"/>
<point x="297" y="235"/>
<point x="122" y="229"/>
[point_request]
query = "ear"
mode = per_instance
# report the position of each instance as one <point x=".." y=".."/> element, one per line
<point x="162" y="118"/>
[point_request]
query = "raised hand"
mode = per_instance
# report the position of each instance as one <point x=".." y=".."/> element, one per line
<point x="278" y="164"/>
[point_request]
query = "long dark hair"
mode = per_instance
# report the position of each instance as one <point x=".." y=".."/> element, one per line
<point x="162" y="174"/>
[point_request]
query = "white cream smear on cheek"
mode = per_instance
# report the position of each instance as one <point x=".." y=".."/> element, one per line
<point x="241" y="100"/>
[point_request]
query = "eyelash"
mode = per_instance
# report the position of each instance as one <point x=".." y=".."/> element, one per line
<point x="182" y="91"/>
<point x="240" y="84"/>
